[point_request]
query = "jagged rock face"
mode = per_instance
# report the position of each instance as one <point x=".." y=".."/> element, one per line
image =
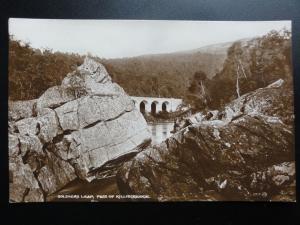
<point x="246" y="155"/>
<point x="70" y="131"/>
<point x="21" y="109"/>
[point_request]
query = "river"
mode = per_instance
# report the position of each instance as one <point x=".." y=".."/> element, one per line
<point x="160" y="131"/>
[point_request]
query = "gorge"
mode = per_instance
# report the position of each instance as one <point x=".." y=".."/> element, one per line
<point x="229" y="137"/>
<point x="89" y="124"/>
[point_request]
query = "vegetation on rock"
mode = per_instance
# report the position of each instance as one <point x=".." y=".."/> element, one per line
<point x="251" y="65"/>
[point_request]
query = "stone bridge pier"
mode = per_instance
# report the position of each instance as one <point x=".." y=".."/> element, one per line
<point x="156" y="105"/>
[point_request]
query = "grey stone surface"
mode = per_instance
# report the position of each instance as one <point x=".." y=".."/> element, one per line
<point x="78" y="127"/>
<point x="23" y="187"/>
<point x="21" y="109"/>
<point x="54" y="97"/>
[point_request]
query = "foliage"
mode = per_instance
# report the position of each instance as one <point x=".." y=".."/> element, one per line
<point x="253" y="64"/>
<point x="32" y="71"/>
<point x="165" y="75"/>
<point x="197" y="95"/>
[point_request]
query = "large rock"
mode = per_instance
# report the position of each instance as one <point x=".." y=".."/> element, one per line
<point x="71" y="131"/>
<point x="23" y="186"/>
<point x="21" y="109"/>
<point x="248" y="155"/>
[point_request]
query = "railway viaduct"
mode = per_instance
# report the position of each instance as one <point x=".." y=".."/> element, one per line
<point x="155" y="105"/>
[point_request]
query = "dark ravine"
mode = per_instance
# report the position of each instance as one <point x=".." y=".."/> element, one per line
<point x="244" y="152"/>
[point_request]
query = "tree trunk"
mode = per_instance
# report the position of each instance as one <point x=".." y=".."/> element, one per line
<point x="202" y="88"/>
<point x="237" y="81"/>
<point x="242" y="69"/>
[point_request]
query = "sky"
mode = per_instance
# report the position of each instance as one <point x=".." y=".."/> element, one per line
<point x="128" y="38"/>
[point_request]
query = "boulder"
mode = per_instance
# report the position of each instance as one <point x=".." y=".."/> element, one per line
<point x="55" y="174"/>
<point x="23" y="186"/>
<point x="79" y="126"/>
<point x="54" y="97"/>
<point x="13" y="146"/>
<point x="46" y="126"/>
<point x="249" y="157"/>
<point x="275" y="101"/>
<point x="21" y="109"/>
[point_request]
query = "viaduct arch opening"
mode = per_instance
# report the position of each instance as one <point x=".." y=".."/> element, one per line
<point x="143" y="107"/>
<point x="164" y="107"/>
<point x="153" y="107"/>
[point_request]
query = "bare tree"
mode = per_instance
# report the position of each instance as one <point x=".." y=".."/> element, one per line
<point x="242" y="67"/>
<point x="239" y="66"/>
<point x="237" y="80"/>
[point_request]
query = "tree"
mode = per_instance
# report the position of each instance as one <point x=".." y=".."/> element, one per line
<point x="235" y="53"/>
<point x="32" y="71"/>
<point x="197" y="94"/>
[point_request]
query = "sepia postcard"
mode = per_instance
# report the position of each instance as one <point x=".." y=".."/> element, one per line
<point x="150" y="110"/>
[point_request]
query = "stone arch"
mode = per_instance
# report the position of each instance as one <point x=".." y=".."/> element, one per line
<point x="165" y="106"/>
<point x="154" y="107"/>
<point x="143" y="106"/>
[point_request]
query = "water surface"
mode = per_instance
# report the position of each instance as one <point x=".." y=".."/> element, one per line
<point x="160" y="131"/>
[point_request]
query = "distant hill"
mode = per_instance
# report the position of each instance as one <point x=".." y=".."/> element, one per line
<point x="31" y="71"/>
<point x="166" y="75"/>
<point x="153" y="64"/>
<point x="219" y="49"/>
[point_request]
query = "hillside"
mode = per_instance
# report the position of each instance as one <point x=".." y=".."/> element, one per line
<point x="165" y="75"/>
<point x="218" y="49"/>
<point x="31" y="71"/>
<point x="253" y="64"/>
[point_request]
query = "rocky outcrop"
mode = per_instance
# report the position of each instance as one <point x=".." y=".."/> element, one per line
<point x="247" y="153"/>
<point x="71" y="131"/>
<point x="21" y="109"/>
